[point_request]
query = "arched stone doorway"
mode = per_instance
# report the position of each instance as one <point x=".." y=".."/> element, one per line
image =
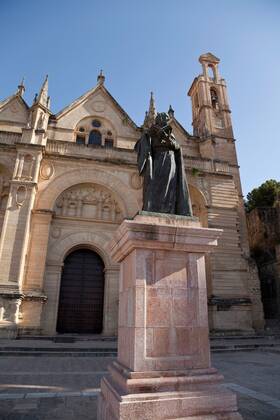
<point x="80" y="308"/>
<point x="199" y="206"/>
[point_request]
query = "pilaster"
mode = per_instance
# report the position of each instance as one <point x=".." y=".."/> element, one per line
<point x="16" y="226"/>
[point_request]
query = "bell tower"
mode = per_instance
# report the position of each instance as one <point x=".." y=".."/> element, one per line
<point x="210" y="107"/>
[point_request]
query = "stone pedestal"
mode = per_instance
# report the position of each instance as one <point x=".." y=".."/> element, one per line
<point x="163" y="369"/>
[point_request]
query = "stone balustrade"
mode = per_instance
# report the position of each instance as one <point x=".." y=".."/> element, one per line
<point x="128" y="156"/>
<point x="97" y="152"/>
<point x="73" y="149"/>
<point x="9" y="138"/>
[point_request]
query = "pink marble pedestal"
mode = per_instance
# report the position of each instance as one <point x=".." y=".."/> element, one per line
<point x="163" y="369"/>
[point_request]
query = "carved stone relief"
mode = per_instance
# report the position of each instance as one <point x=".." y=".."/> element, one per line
<point x="47" y="170"/>
<point x="14" y="107"/>
<point x="136" y="181"/>
<point x="89" y="201"/>
<point x="56" y="232"/>
<point x="98" y="106"/>
<point x="21" y="195"/>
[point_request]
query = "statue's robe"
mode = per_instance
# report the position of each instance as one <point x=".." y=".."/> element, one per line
<point x="161" y="165"/>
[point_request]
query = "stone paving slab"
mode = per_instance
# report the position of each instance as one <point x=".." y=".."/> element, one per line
<point x="49" y="388"/>
<point x="71" y="407"/>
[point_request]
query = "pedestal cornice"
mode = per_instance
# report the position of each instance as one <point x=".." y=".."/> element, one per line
<point x="147" y="230"/>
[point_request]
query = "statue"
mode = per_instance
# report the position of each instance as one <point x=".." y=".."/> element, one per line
<point x="160" y="162"/>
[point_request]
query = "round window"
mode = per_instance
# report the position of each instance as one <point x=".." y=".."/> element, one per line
<point x="81" y="129"/>
<point x="96" y="123"/>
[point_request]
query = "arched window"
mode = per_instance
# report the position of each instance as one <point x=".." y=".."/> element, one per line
<point x="96" y="123"/>
<point x="95" y="137"/>
<point x="109" y="143"/>
<point x="80" y="139"/>
<point x="214" y="98"/>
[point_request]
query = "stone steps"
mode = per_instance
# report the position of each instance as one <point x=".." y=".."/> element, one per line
<point x="108" y="348"/>
<point x="48" y="353"/>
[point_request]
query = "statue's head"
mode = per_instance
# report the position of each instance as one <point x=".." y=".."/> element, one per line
<point x="162" y="119"/>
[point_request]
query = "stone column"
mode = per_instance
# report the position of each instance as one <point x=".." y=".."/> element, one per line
<point x="163" y="368"/>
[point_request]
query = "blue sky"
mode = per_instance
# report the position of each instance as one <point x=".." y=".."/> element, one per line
<point x="153" y="45"/>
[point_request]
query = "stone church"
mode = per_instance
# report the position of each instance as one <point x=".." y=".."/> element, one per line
<point x="67" y="180"/>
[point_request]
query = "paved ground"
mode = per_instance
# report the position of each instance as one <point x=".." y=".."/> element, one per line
<point x="58" y="388"/>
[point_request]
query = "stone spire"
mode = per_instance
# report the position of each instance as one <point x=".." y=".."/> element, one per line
<point x="43" y="98"/>
<point x="152" y="113"/>
<point x="101" y="78"/>
<point x="150" y="116"/>
<point x="21" y="88"/>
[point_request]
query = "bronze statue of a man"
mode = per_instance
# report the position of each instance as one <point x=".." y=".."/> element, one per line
<point x="161" y="164"/>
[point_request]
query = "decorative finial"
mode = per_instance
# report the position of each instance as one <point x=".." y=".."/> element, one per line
<point x="101" y="77"/>
<point x="152" y="108"/>
<point x="21" y="88"/>
<point x="43" y="98"/>
<point x="171" y="112"/>
<point x="152" y="113"/>
<point x="146" y="122"/>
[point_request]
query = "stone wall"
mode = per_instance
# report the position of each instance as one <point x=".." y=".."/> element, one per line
<point x="264" y="239"/>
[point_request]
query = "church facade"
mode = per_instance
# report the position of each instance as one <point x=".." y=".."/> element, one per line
<point x="67" y="180"/>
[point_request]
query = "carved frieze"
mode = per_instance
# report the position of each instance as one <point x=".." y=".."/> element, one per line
<point x="89" y="201"/>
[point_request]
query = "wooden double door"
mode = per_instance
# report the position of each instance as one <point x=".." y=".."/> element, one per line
<point x="81" y="296"/>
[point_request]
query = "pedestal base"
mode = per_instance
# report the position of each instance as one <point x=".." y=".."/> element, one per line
<point x="195" y="394"/>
